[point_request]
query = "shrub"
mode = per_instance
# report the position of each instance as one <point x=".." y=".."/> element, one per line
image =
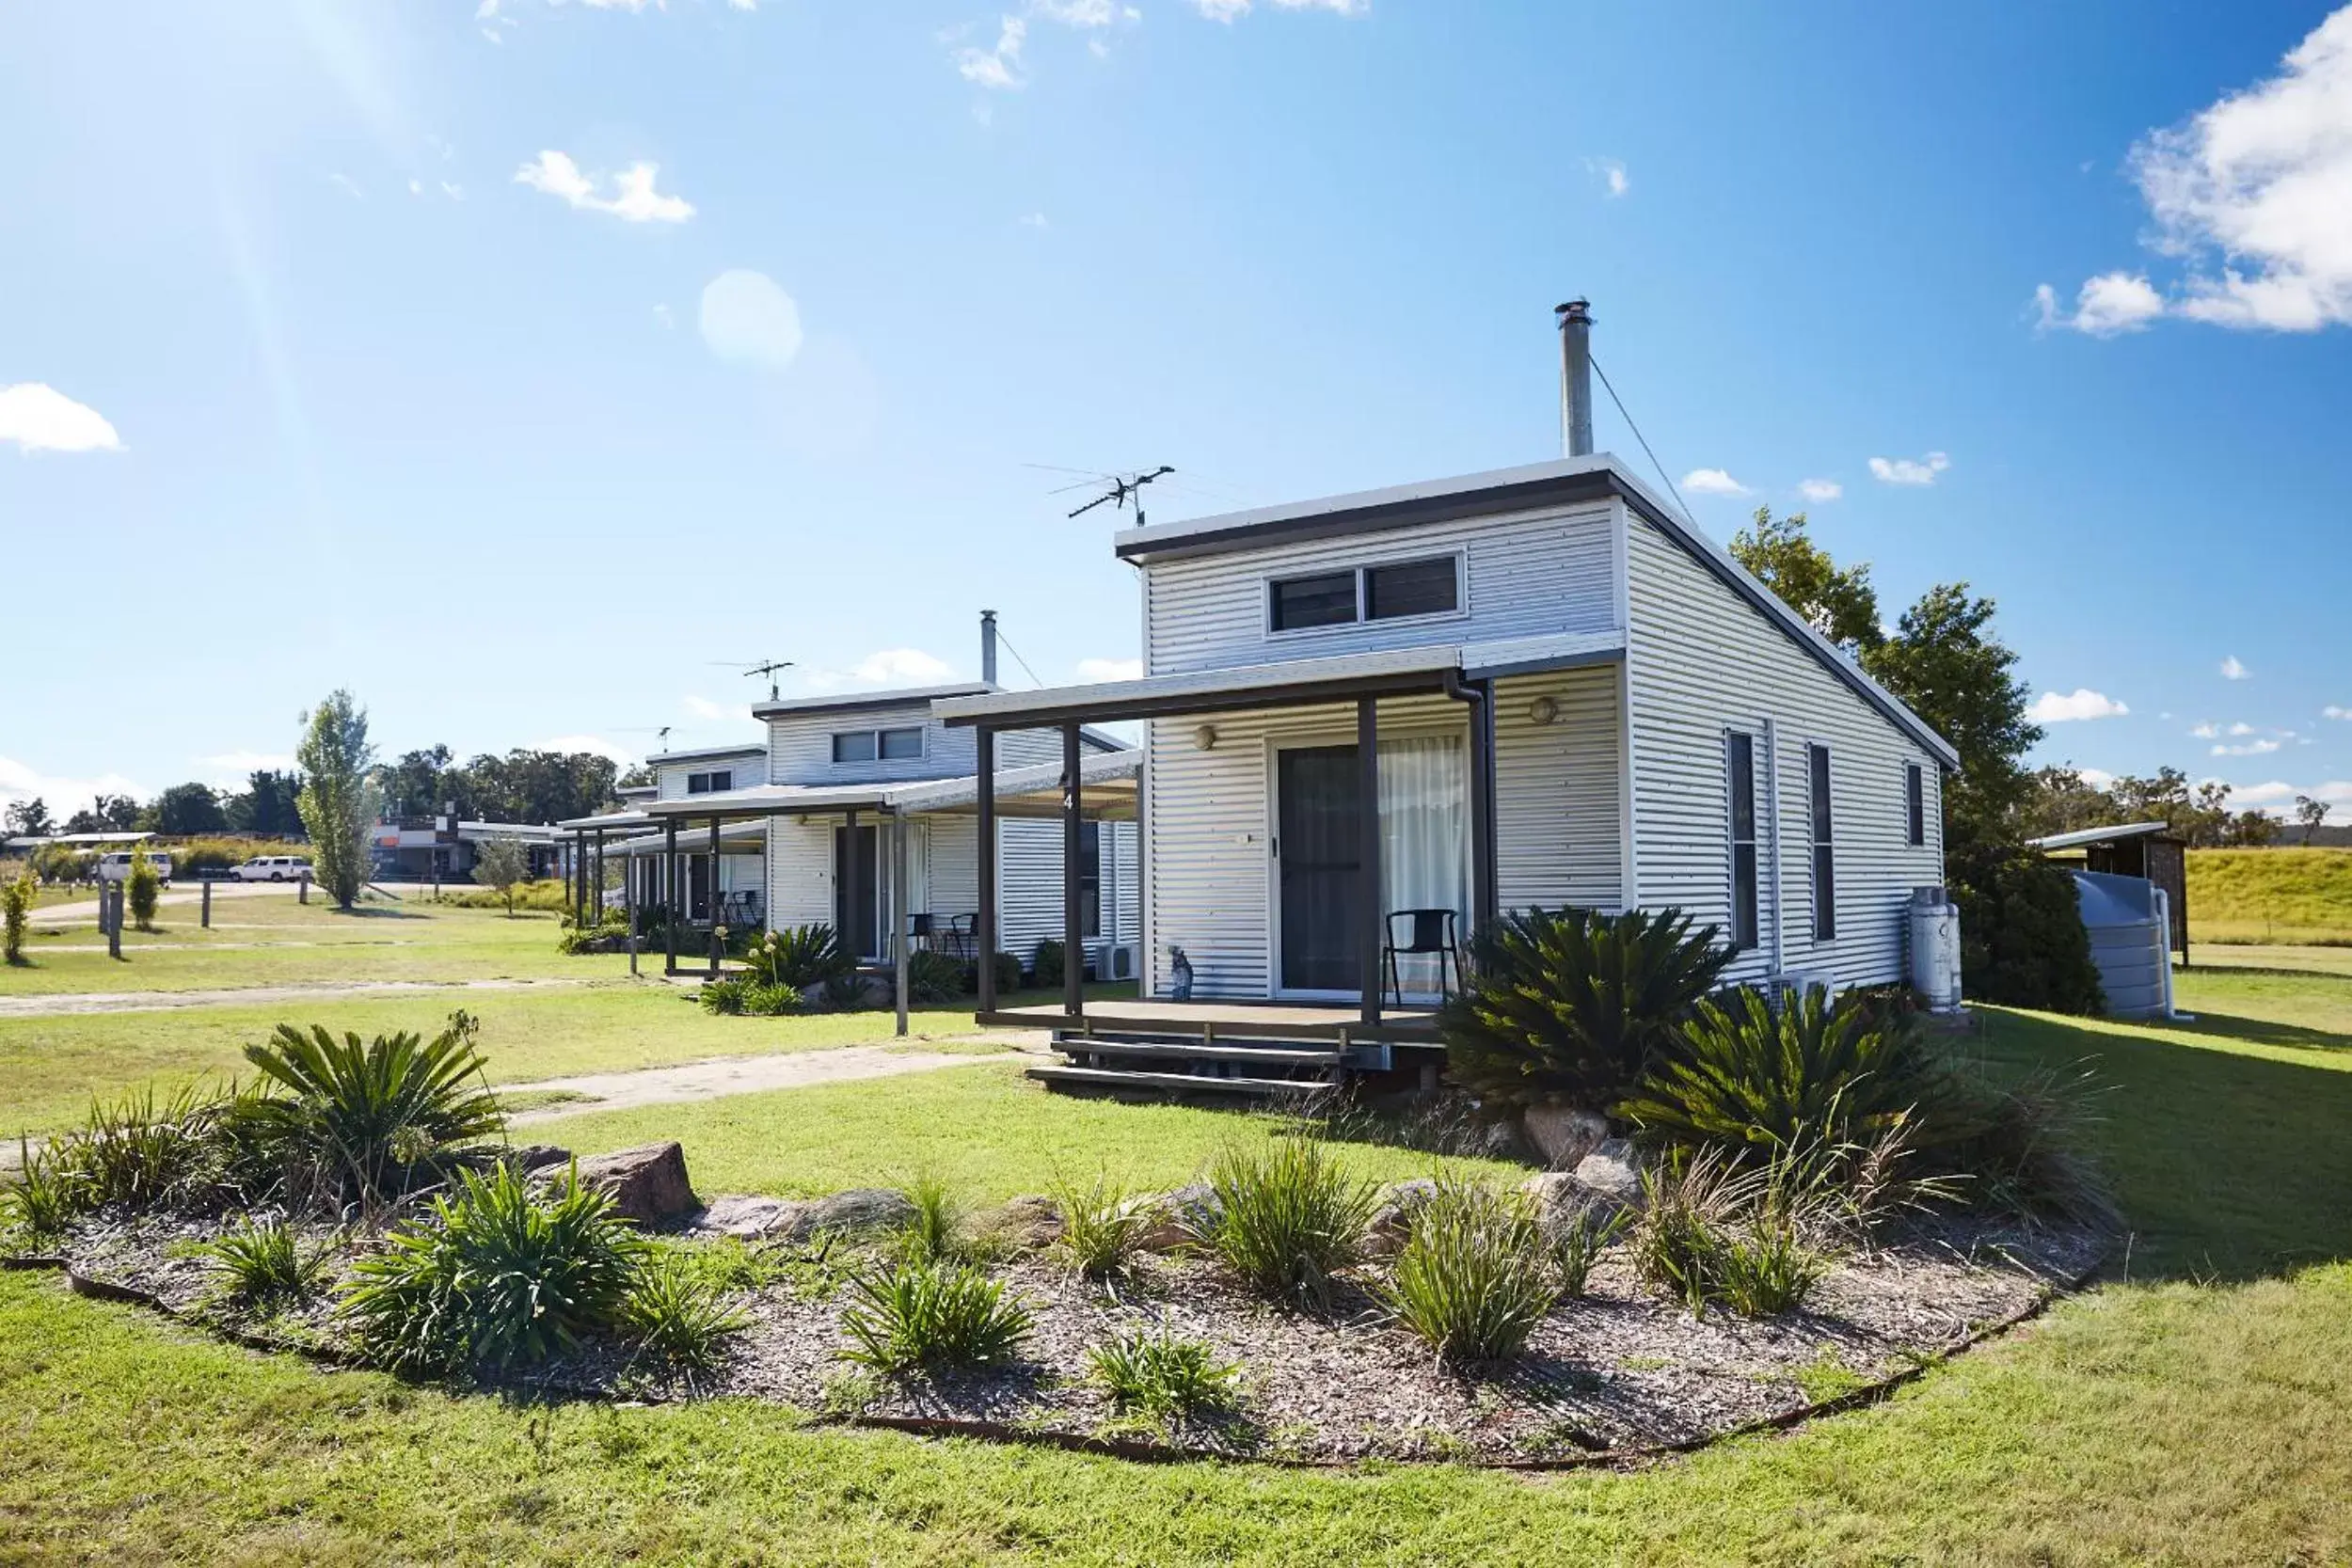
<point x="1746" y="1076"/>
<point x="498" y="1274"/>
<point x="2023" y="1147"/>
<point x="1046" y="970"/>
<point x="142" y="1153"/>
<point x="145" y="883"/>
<point x="725" y="997"/>
<point x="1287" y="1220"/>
<point x="931" y="1315"/>
<point x="1008" y="975"/>
<point x="853" y="993"/>
<point x="2022" y="939"/>
<point x="16" y="912"/>
<point x="47" y="1197"/>
<point x="547" y="896"/>
<point x="1101" y="1225"/>
<point x="1161" y="1375"/>
<point x="1573" y="1004"/>
<point x="1474" y="1278"/>
<point x="1765" y="1268"/>
<point x="677" y="1310"/>
<point x="1712" y="1232"/>
<point x="770" y="1001"/>
<point x="1578" y="1243"/>
<point x="348" y="1120"/>
<point x="802" y="957"/>
<point x="932" y="1233"/>
<point x="260" y="1262"/>
<point x="935" y="977"/>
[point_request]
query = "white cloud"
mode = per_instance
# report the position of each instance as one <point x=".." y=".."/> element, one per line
<point x="1225" y="10"/>
<point x="416" y="187"/>
<point x="2206" y="731"/>
<point x="746" y="317"/>
<point x="2335" y="711"/>
<point x="1110" y="669"/>
<point x="232" y="768"/>
<point x="2060" y="708"/>
<point x="663" y="314"/>
<point x="2251" y="749"/>
<point x="1033" y="220"/>
<point x="63" y="796"/>
<point x="634" y="199"/>
<point x="2241" y="727"/>
<point x="718" y="712"/>
<point x="743" y="4"/>
<point x="1904" y="470"/>
<point x="1076" y="13"/>
<point x="1712" y="482"/>
<point x="2097" y="778"/>
<point x="590" y="743"/>
<point x="2231" y="670"/>
<point x="39" y="418"/>
<point x="2111" y="303"/>
<point x="1610" y="173"/>
<point x="888" y="667"/>
<point x="1820" y="489"/>
<point x="455" y="193"/>
<point x="997" y="69"/>
<point x="2253" y="195"/>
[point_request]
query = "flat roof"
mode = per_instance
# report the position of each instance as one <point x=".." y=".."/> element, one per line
<point x="703" y="753"/>
<point x="2081" y="836"/>
<point x="844" y="702"/>
<point x="1102" y="771"/>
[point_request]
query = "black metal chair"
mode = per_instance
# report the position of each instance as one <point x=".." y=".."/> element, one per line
<point x="919" y="936"/>
<point x="963" y="935"/>
<point x="1427" y="932"/>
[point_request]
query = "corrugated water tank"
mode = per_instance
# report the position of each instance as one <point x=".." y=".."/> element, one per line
<point x="2129" y="944"/>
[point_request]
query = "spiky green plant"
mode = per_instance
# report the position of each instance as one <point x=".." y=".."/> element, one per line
<point x="1474" y="1277"/>
<point x="802" y="956"/>
<point x="1102" y="1225"/>
<point x="1579" y="1243"/>
<point x="1286" y="1220"/>
<point x="1163" y="1376"/>
<point x="261" y="1261"/>
<point x="1746" y="1075"/>
<point x="45" y="1198"/>
<point x="677" y="1312"/>
<point x="1572" y="1004"/>
<point x="499" y="1273"/>
<point x="934" y="1228"/>
<point x="931" y="1315"/>
<point x="349" y="1119"/>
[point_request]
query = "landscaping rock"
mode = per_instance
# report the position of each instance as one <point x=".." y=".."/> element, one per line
<point x="1394" y="1220"/>
<point x="648" y="1185"/>
<point x="857" y="1209"/>
<point x="1613" y="1171"/>
<point x="1177" y="1215"/>
<point x="1501" y="1140"/>
<point x="1564" y="1135"/>
<point x="749" y="1219"/>
<point x="537" y="1156"/>
<point x="1031" y="1221"/>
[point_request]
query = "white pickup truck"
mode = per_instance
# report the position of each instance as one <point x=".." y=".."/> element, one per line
<point x="274" y="868"/>
<point x="115" y="865"/>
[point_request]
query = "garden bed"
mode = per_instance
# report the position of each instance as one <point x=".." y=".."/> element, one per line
<point x="1617" y="1371"/>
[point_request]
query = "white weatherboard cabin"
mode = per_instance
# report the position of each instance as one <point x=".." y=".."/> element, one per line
<point x="1376" y="720"/>
<point x="861" y="807"/>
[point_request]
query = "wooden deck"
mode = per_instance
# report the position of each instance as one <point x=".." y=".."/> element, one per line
<point x="1209" y="1021"/>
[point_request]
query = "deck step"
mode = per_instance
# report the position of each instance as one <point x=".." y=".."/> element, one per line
<point x="1170" y="1082"/>
<point x="1241" y="1054"/>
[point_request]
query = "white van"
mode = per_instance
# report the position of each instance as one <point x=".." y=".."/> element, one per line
<point x="115" y="865"/>
<point x="274" y="868"/>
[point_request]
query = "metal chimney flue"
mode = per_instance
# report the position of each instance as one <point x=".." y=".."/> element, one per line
<point x="988" y="646"/>
<point x="1576" y="378"/>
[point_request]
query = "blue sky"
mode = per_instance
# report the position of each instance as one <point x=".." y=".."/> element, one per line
<point x="511" y="366"/>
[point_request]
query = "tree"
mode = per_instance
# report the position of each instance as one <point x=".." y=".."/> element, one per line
<point x="2061" y="801"/>
<point x="1944" y="663"/>
<point x="1840" y="602"/>
<point x="267" y="805"/>
<point x="107" y="814"/>
<point x="27" y="818"/>
<point x="189" y="808"/>
<point x="337" y="801"/>
<point x="2311" y="814"/>
<point x="143" y="887"/>
<point x="501" y="863"/>
<point x="414" y="786"/>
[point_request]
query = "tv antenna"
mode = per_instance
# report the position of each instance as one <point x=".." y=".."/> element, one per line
<point x="1119" y="489"/>
<point x="765" y="666"/>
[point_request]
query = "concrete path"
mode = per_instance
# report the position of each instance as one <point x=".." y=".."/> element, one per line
<point x="732" y="1075"/>
<point x="72" y="1003"/>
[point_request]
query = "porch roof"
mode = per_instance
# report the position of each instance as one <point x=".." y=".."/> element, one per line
<point x="1284" y="683"/>
<point x="1107" y="781"/>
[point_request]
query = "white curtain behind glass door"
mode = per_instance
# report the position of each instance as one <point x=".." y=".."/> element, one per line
<point x="1425" y="838"/>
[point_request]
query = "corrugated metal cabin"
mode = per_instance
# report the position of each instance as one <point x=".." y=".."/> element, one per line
<point x="1557" y="691"/>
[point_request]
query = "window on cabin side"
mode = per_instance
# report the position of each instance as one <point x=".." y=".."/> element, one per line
<point x="1739" y="767"/>
<point x="718" y="780"/>
<point x="1824" y="858"/>
<point x="1326" y="599"/>
<point x="1412" y="588"/>
<point x="901" y="745"/>
<point x="853" y="745"/>
<point x="1915" y="804"/>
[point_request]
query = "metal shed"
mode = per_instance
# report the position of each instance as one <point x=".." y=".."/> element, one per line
<point x="2146" y="849"/>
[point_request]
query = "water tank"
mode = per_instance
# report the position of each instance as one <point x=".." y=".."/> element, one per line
<point x="1935" y="949"/>
<point x="2130" y="941"/>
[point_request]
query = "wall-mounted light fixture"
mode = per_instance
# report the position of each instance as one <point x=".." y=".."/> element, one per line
<point x="1205" y="738"/>
<point x="1543" y="710"/>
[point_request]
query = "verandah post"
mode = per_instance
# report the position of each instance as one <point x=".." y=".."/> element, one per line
<point x="899" y="960"/>
<point x="717" y="940"/>
<point x="984" y="927"/>
<point x="1374" y="922"/>
<point x="669" y="895"/>
<point x="1073" y="994"/>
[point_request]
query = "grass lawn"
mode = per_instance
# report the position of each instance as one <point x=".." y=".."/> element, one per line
<point x="2191" y="1414"/>
<point x="51" y="1067"/>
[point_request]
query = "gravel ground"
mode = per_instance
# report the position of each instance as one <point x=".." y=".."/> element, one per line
<point x="1618" y="1368"/>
